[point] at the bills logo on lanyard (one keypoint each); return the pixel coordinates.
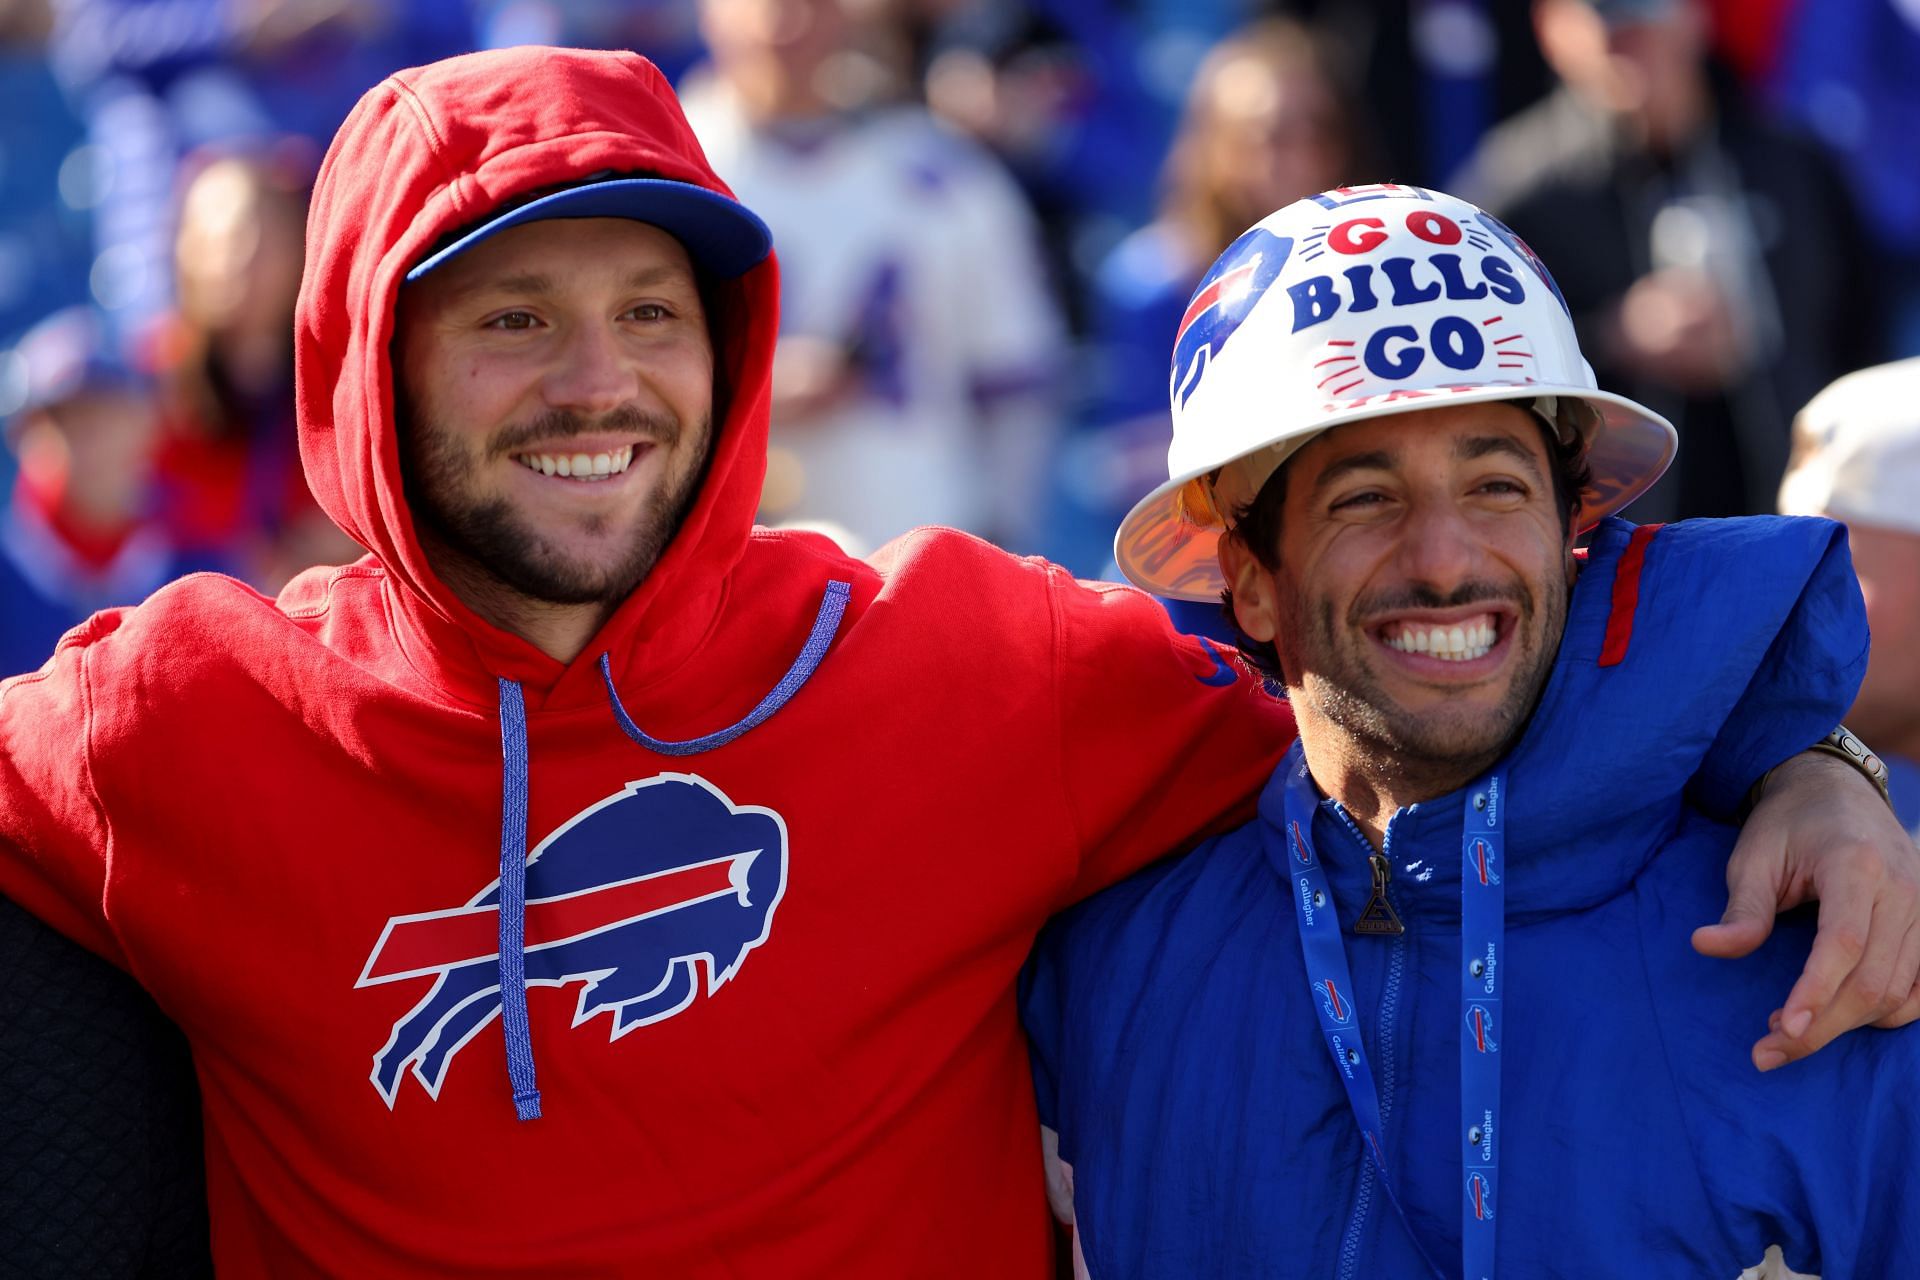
(1480, 861)
(1337, 1009)
(1480, 1029)
(1479, 1198)
(1482, 938)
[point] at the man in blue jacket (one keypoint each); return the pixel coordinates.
(1435, 1011)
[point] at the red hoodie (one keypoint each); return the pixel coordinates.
(770, 972)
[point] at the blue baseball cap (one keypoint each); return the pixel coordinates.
(723, 237)
(66, 355)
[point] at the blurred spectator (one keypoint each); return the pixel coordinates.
(45, 187)
(1856, 457)
(1272, 116)
(1079, 98)
(1713, 263)
(73, 537)
(1438, 75)
(919, 338)
(666, 31)
(158, 79)
(230, 489)
(100, 1156)
(1850, 71)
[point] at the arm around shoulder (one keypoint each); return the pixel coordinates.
(1164, 737)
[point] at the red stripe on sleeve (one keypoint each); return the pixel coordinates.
(1626, 596)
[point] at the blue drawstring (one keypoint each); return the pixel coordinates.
(825, 624)
(513, 823)
(513, 900)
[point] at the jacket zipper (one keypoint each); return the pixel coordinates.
(1384, 1033)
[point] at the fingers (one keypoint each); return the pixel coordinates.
(1756, 874)
(1860, 971)
(1906, 979)
(1737, 934)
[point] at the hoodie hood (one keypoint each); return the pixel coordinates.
(435, 149)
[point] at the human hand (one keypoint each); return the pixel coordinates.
(1821, 831)
(1674, 326)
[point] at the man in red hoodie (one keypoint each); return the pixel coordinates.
(777, 824)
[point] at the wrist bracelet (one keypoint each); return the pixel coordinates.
(1842, 744)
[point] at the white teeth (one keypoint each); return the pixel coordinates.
(1471, 639)
(579, 466)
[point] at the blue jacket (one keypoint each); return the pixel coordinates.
(1177, 1050)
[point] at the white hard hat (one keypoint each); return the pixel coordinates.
(1357, 303)
(1856, 450)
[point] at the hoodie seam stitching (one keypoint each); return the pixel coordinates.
(584, 135)
(100, 813)
(1075, 827)
(436, 144)
(334, 579)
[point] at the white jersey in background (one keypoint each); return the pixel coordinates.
(909, 251)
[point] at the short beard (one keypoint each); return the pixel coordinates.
(1436, 751)
(489, 537)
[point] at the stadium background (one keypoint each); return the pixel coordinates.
(990, 216)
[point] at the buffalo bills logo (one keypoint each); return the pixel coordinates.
(1220, 675)
(1335, 1005)
(1225, 298)
(634, 899)
(1479, 1198)
(1480, 1029)
(1481, 862)
(1526, 254)
(1301, 849)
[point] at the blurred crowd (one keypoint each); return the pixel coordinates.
(990, 216)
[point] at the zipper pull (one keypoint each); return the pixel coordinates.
(1379, 919)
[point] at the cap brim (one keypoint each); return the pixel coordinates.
(1159, 549)
(723, 237)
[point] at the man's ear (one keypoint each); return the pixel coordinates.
(1255, 603)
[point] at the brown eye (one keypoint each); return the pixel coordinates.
(512, 320)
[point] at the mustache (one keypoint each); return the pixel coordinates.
(565, 424)
(1418, 596)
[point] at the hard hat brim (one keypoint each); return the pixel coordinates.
(1160, 548)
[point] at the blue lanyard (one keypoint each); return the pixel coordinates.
(1482, 939)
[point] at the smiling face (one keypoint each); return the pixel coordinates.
(1418, 590)
(557, 391)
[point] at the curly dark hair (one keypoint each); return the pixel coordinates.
(1257, 525)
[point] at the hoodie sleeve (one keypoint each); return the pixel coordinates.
(53, 831)
(1814, 663)
(1164, 738)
